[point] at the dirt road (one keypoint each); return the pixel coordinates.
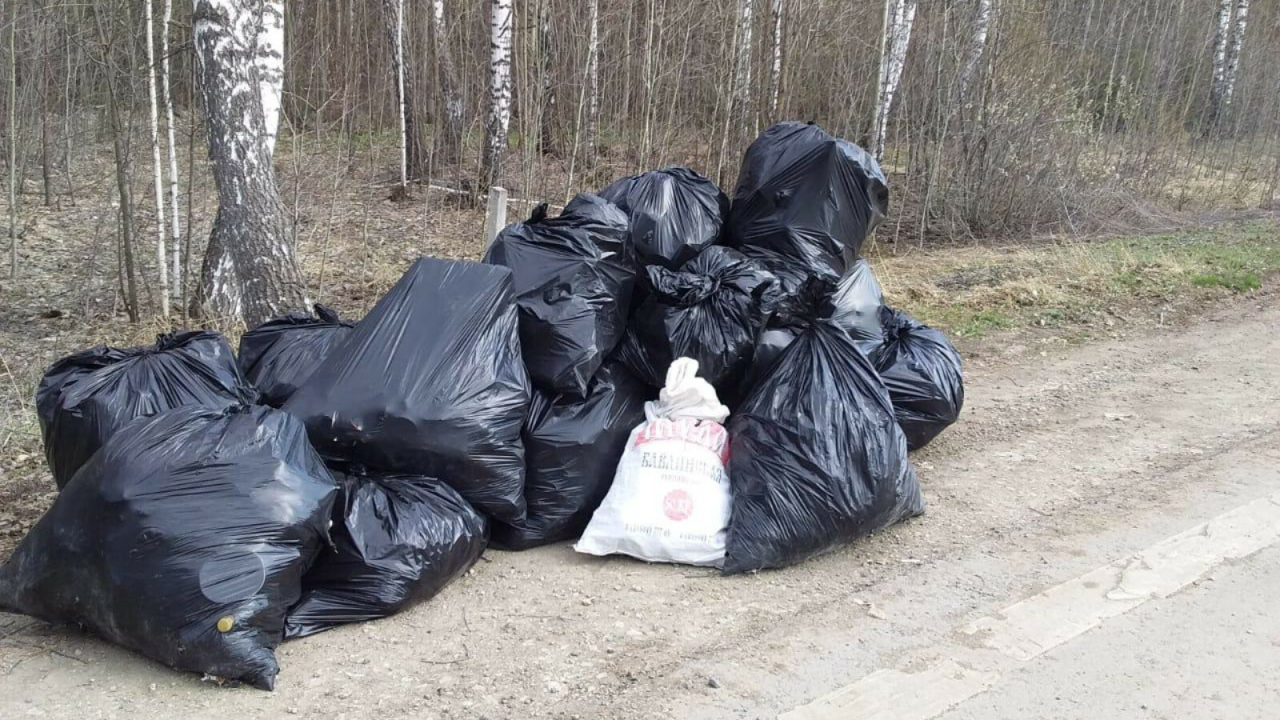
(1063, 463)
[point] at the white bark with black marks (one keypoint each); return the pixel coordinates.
(977, 44)
(593, 75)
(775, 68)
(899, 17)
(742, 69)
(249, 268)
(166, 94)
(495, 146)
(1234, 48)
(450, 147)
(157, 170)
(393, 11)
(270, 61)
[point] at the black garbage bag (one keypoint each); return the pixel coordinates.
(430, 383)
(84, 398)
(854, 307)
(808, 197)
(573, 277)
(924, 375)
(675, 213)
(816, 458)
(279, 355)
(710, 310)
(185, 538)
(398, 540)
(572, 450)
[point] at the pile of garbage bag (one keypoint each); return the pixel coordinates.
(279, 355)
(83, 399)
(654, 372)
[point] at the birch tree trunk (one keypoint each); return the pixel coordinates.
(742, 69)
(13, 140)
(775, 71)
(270, 62)
(547, 110)
(1233, 54)
(166, 95)
(977, 44)
(449, 148)
(899, 17)
(593, 76)
(249, 269)
(162, 259)
(1221, 34)
(393, 15)
(495, 146)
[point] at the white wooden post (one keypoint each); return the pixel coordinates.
(495, 217)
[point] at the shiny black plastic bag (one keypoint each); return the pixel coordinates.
(572, 448)
(279, 355)
(675, 213)
(398, 539)
(710, 310)
(808, 197)
(84, 398)
(924, 375)
(573, 277)
(430, 383)
(817, 459)
(185, 538)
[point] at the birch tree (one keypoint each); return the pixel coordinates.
(249, 269)
(1221, 34)
(593, 75)
(742, 68)
(157, 169)
(450, 146)
(166, 94)
(270, 64)
(899, 15)
(977, 44)
(775, 67)
(495, 146)
(1234, 48)
(393, 14)
(547, 108)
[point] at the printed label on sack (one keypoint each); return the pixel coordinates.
(710, 435)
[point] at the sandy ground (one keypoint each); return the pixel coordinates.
(1065, 460)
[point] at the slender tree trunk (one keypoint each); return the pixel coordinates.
(1221, 36)
(162, 266)
(899, 17)
(46, 105)
(249, 269)
(118, 135)
(977, 43)
(1234, 48)
(646, 130)
(393, 14)
(450, 147)
(166, 94)
(270, 62)
(775, 69)
(13, 139)
(546, 135)
(495, 147)
(742, 68)
(593, 77)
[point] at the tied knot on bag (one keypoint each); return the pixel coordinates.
(685, 395)
(681, 288)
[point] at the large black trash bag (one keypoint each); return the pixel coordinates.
(710, 310)
(808, 197)
(184, 538)
(279, 355)
(817, 459)
(398, 539)
(430, 383)
(573, 278)
(572, 450)
(84, 398)
(675, 213)
(855, 307)
(924, 375)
